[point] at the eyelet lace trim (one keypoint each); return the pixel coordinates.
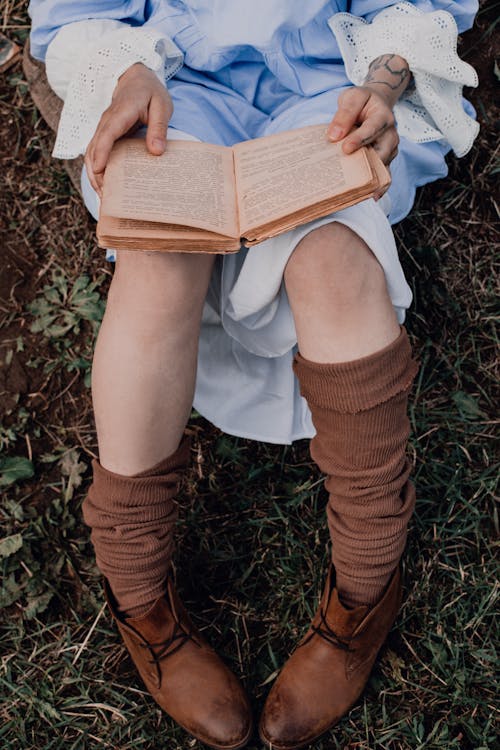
(91, 88)
(428, 41)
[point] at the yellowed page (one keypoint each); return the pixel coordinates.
(129, 234)
(280, 174)
(191, 184)
(137, 231)
(379, 169)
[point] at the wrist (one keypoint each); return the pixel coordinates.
(137, 69)
(389, 76)
(389, 97)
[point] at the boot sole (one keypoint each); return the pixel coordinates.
(241, 743)
(303, 743)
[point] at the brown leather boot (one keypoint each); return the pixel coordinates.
(330, 667)
(183, 674)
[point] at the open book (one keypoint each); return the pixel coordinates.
(200, 197)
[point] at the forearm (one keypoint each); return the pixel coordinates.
(89, 85)
(427, 41)
(389, 75)
(364, 112)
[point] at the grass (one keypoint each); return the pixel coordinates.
(252, 538)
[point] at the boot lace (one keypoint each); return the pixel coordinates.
(179, 637)
(328, 634)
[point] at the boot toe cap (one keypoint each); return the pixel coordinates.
(284, 726)
(225, 730)
(223, 724)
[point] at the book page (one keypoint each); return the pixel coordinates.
(280, 174)
(191, 184)
(381, 172)
(139, 230)
(129, 234)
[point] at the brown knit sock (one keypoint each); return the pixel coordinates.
(359, 412)
(132, 521)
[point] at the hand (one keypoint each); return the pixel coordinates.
(377, 126)
(370, 107)
(139, 98)
(372, 112)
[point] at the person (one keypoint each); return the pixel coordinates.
(300, 336)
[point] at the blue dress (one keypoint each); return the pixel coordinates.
(254, 68)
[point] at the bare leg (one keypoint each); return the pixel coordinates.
(354, 369)
(143, 383)
(145, 358)
(338, 296)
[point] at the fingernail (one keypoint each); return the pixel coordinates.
(335, 133)
(159, 143)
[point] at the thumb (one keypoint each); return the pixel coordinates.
(350, 105)
(158, 117)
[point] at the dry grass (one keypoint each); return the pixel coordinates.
(252, 539)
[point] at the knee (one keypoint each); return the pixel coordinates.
(171, 285)
(334, 262)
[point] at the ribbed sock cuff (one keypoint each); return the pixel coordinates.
(351, 387)
(132, 520)
(121, 493)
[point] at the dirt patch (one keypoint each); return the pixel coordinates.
(45, 233)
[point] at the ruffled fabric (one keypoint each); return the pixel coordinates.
(428, 42)
(229, 90)
(245, 383)
(87, 85)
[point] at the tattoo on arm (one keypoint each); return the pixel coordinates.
(398, 77)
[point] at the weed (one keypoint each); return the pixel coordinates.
(59, 313)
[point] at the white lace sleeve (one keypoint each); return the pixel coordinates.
(428, 42)
(84, 62)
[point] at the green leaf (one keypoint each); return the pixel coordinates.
(42, 324)
(80, 283)
(37, 604)
(10, 592)
(52, 295)
(10, 544)
(57, 331)
(15, 469)
(73, 468)
(467, 406)
(60, 281)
